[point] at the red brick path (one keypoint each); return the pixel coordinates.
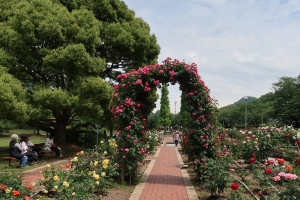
(165, 181)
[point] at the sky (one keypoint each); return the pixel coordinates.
(241, 47)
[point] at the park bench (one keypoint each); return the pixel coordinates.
(9, 159)
(42, 152)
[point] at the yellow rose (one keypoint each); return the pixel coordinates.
(93, 172)
(96, 176)
(95, 163)
(55, 178)
(66, 184)
(105, 152)
(55, 187)
(81, 152)
(73, 194)
(105, 162)
(45, 191)
(256, 139)
(48, 165)
(101, 142)
(103, 174)
(97, 182)
(75, 159)
(104, 166)
(8, 190)
(43, 179)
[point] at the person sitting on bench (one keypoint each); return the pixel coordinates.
(32, 156)
(49, 144)
(15, 151)
(32, 147)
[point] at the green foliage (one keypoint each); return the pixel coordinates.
(133, 102)
(90, 173)
(215, 174)
(292, 191)
(11, 186)
(164, 115)
(128, 43)
(286, 100)
(153, 121)
(54, 51)
(184, 111)
(13, 98)
(5, 126)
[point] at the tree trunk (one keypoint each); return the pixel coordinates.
(111, 131)
(60, 131)
(122, 174)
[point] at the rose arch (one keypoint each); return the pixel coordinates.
(134, 100)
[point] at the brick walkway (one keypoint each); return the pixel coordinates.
(164, 179)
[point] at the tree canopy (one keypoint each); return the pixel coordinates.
(164, 115)
(61, 51)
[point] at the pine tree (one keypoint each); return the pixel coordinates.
(165, 115)
(184, 111)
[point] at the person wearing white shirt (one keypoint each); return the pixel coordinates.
(49, 144)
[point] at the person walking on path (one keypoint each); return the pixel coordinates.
(176, 138)
(15, 150)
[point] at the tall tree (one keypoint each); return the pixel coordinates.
(286, 104)
(164, 115)
(126, 42)
(49, 49)
(59, 50)
(184, 113)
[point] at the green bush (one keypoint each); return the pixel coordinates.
(86, 138)
(12, 188)
(90, 174)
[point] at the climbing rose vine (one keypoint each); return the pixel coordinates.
(134, 99)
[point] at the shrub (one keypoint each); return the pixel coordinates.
(11, 186)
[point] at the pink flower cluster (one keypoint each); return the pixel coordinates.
(285, 176)
(128, 102)
(138, 82)
(117, 109)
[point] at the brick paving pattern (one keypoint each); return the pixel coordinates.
(165, 181)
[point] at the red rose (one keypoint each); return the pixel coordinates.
(254, 155)
(29, 186)
(234, 186)
(298, 142)
(252, 160)
(271, 162)
(298, 161)
(16, 193)
(269, 171)
(26, 197)
(68, 165)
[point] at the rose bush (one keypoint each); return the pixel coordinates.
(134, 99)
(12, 187)
(87, 174)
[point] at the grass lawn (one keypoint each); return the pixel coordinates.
(68, 150)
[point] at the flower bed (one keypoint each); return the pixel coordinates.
(246, 168)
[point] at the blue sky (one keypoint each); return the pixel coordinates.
(241, 47)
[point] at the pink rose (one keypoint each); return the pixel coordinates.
(276, 178)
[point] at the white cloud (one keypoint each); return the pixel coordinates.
(241, 47)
